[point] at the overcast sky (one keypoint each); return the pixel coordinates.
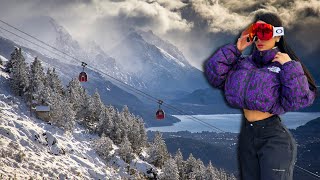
(196, 27)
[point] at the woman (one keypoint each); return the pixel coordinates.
(269, 82)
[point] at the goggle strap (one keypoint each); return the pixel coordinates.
(278, 31)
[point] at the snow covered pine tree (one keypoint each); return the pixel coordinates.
(19, 72)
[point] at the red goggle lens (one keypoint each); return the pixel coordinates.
(261, 30)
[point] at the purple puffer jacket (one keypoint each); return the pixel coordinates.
(257, 83)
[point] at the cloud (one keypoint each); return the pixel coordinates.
(171, 4)
(197, 27)
(232, 15)
(160, 16)
(154, 15)
(219, 17)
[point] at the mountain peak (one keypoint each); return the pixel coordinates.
(171, 49)
(160, 61)
(64, 40)
(134, 35)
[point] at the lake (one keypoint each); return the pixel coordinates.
(230, 122)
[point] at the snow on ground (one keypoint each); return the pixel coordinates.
(169, 56)
(32, 148)
(3, 58)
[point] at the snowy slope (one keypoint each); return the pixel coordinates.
(166, 46)
(3, 58)
(33, 148)
(170, 57)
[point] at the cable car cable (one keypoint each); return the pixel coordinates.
(29, 41)
(134, 89)
(72, 57)
(76, 60)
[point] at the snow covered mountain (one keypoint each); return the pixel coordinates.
(142, 59)
(156, 62)
(31, 148)
(92, 54)
(58, 37)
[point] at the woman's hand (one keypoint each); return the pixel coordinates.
(242, 43)
(281, 58)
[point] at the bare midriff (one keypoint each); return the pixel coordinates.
(254, 115)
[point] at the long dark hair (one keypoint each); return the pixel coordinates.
(274, 20)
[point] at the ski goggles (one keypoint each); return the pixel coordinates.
(263, 31)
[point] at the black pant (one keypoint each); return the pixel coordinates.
(267, 150)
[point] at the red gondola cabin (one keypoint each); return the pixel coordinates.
(83, 77)
(160, 114)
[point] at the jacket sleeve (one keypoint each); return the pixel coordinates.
(295, 90)
(220, 63)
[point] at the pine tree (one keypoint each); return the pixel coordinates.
(46, 95)
(67, 116)
(117, 134)
(37, 83)
(134, 135)
(97, 109)
(170, 170)
(222, 175)
(75, 94)
(91, 110)
(126, 113)
(125, 122)
(158, 151)
(86, 110)
(232, 177)
(12, 60)
(199, 170)
(54, 82)
(211, 172)
(61, 112)
(105, 124)
(103, 146)
(125, 150)
(80, 100)
(19, 73)
(107, 121)
(142, 132)
(190, 167)
(136, 131)
(99, 106)
(180, 164)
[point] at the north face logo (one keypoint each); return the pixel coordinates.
(274, 69)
